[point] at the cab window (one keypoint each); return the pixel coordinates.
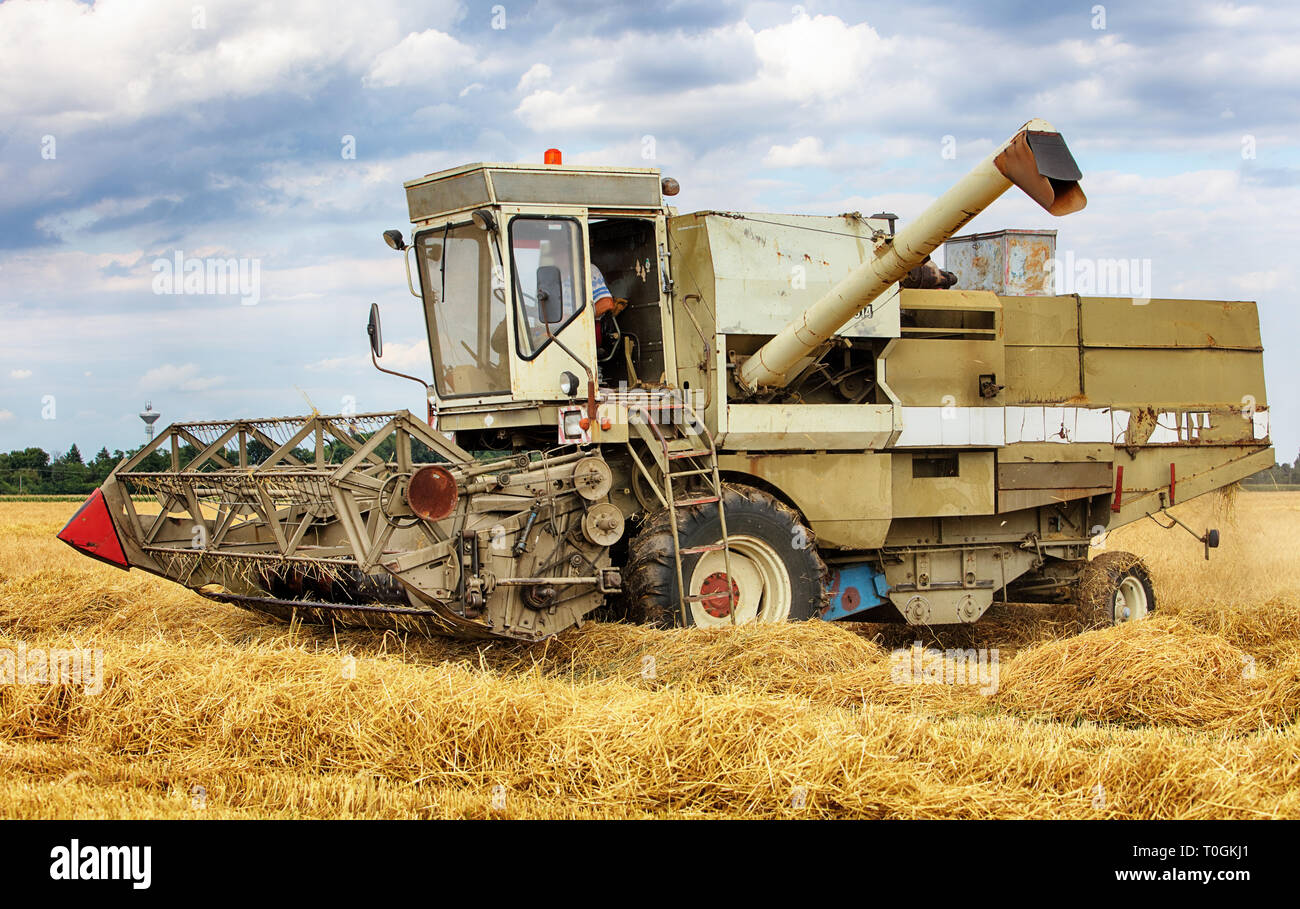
(465, 313)
(534, 244)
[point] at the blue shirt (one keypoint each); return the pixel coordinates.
(598, 289)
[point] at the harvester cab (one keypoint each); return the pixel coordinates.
(781, 417)
(505, 260)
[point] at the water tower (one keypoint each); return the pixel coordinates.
(150, 417)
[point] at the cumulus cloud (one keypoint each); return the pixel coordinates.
(73, 65)
(539, 74)
(410, 357)
(20, 374)
(806, 151)
(419, 59)
(170, 377)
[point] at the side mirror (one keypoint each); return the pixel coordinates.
(373, 329)
(550, 294)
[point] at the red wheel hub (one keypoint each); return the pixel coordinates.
(714, 595)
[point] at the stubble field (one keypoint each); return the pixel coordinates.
(207, 711)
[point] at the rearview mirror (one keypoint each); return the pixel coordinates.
(550, 295)
(373, 329)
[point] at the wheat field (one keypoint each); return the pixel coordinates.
(209, 712)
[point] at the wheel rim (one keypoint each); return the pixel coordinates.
(1131, 603)
(759, 582)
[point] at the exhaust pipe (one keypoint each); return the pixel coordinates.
(1035, 159)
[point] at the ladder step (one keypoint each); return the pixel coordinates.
(693, 453)
(694, 550)
(705, 500)
(692, 473)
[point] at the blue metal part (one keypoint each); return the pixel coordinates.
(853, 589)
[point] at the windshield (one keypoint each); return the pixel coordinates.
(535, 243)
(465, 313)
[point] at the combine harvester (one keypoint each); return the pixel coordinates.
(783, 417)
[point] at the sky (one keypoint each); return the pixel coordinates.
(279, 135)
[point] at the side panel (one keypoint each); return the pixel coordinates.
(1124, 322)
(968, 492)
(1171, 378)
(1042, 349)
(803, 426)
(1045, 473)
(936, 373)
(769, 268)
(847, 498)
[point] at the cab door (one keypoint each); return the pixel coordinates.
(534, 241)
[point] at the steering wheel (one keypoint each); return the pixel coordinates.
(611, 335)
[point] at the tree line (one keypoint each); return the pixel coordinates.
(34, 471)
(1278, 475)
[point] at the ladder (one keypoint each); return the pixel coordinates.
(685, 453)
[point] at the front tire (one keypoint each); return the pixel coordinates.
(776, 572)
(1114, 588)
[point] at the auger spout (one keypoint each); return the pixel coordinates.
(1036, 159)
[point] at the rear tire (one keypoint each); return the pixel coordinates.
(1114, 588)
(776, 572)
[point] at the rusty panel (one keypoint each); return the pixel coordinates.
(555, 186)
(845, 497)
(1049, 475)
(1119, 322)
(824, 486)
(968, 493)
(1017, 499)
(1013, 262)
(1041, 321)
(767, 268)
(1040, 375)
(800, 427)
(1199, 469)
(1033, 452)
(428, 200)
(923, 372)
(1172, 378)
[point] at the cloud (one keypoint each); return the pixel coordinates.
(71, 66)
(803, 153)
(421, 58)
(1259, 281)
(408, 357)
(169, 377)
(6, 416)
(538, 74)
(20, 373)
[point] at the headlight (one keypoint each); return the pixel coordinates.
(568, 384)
